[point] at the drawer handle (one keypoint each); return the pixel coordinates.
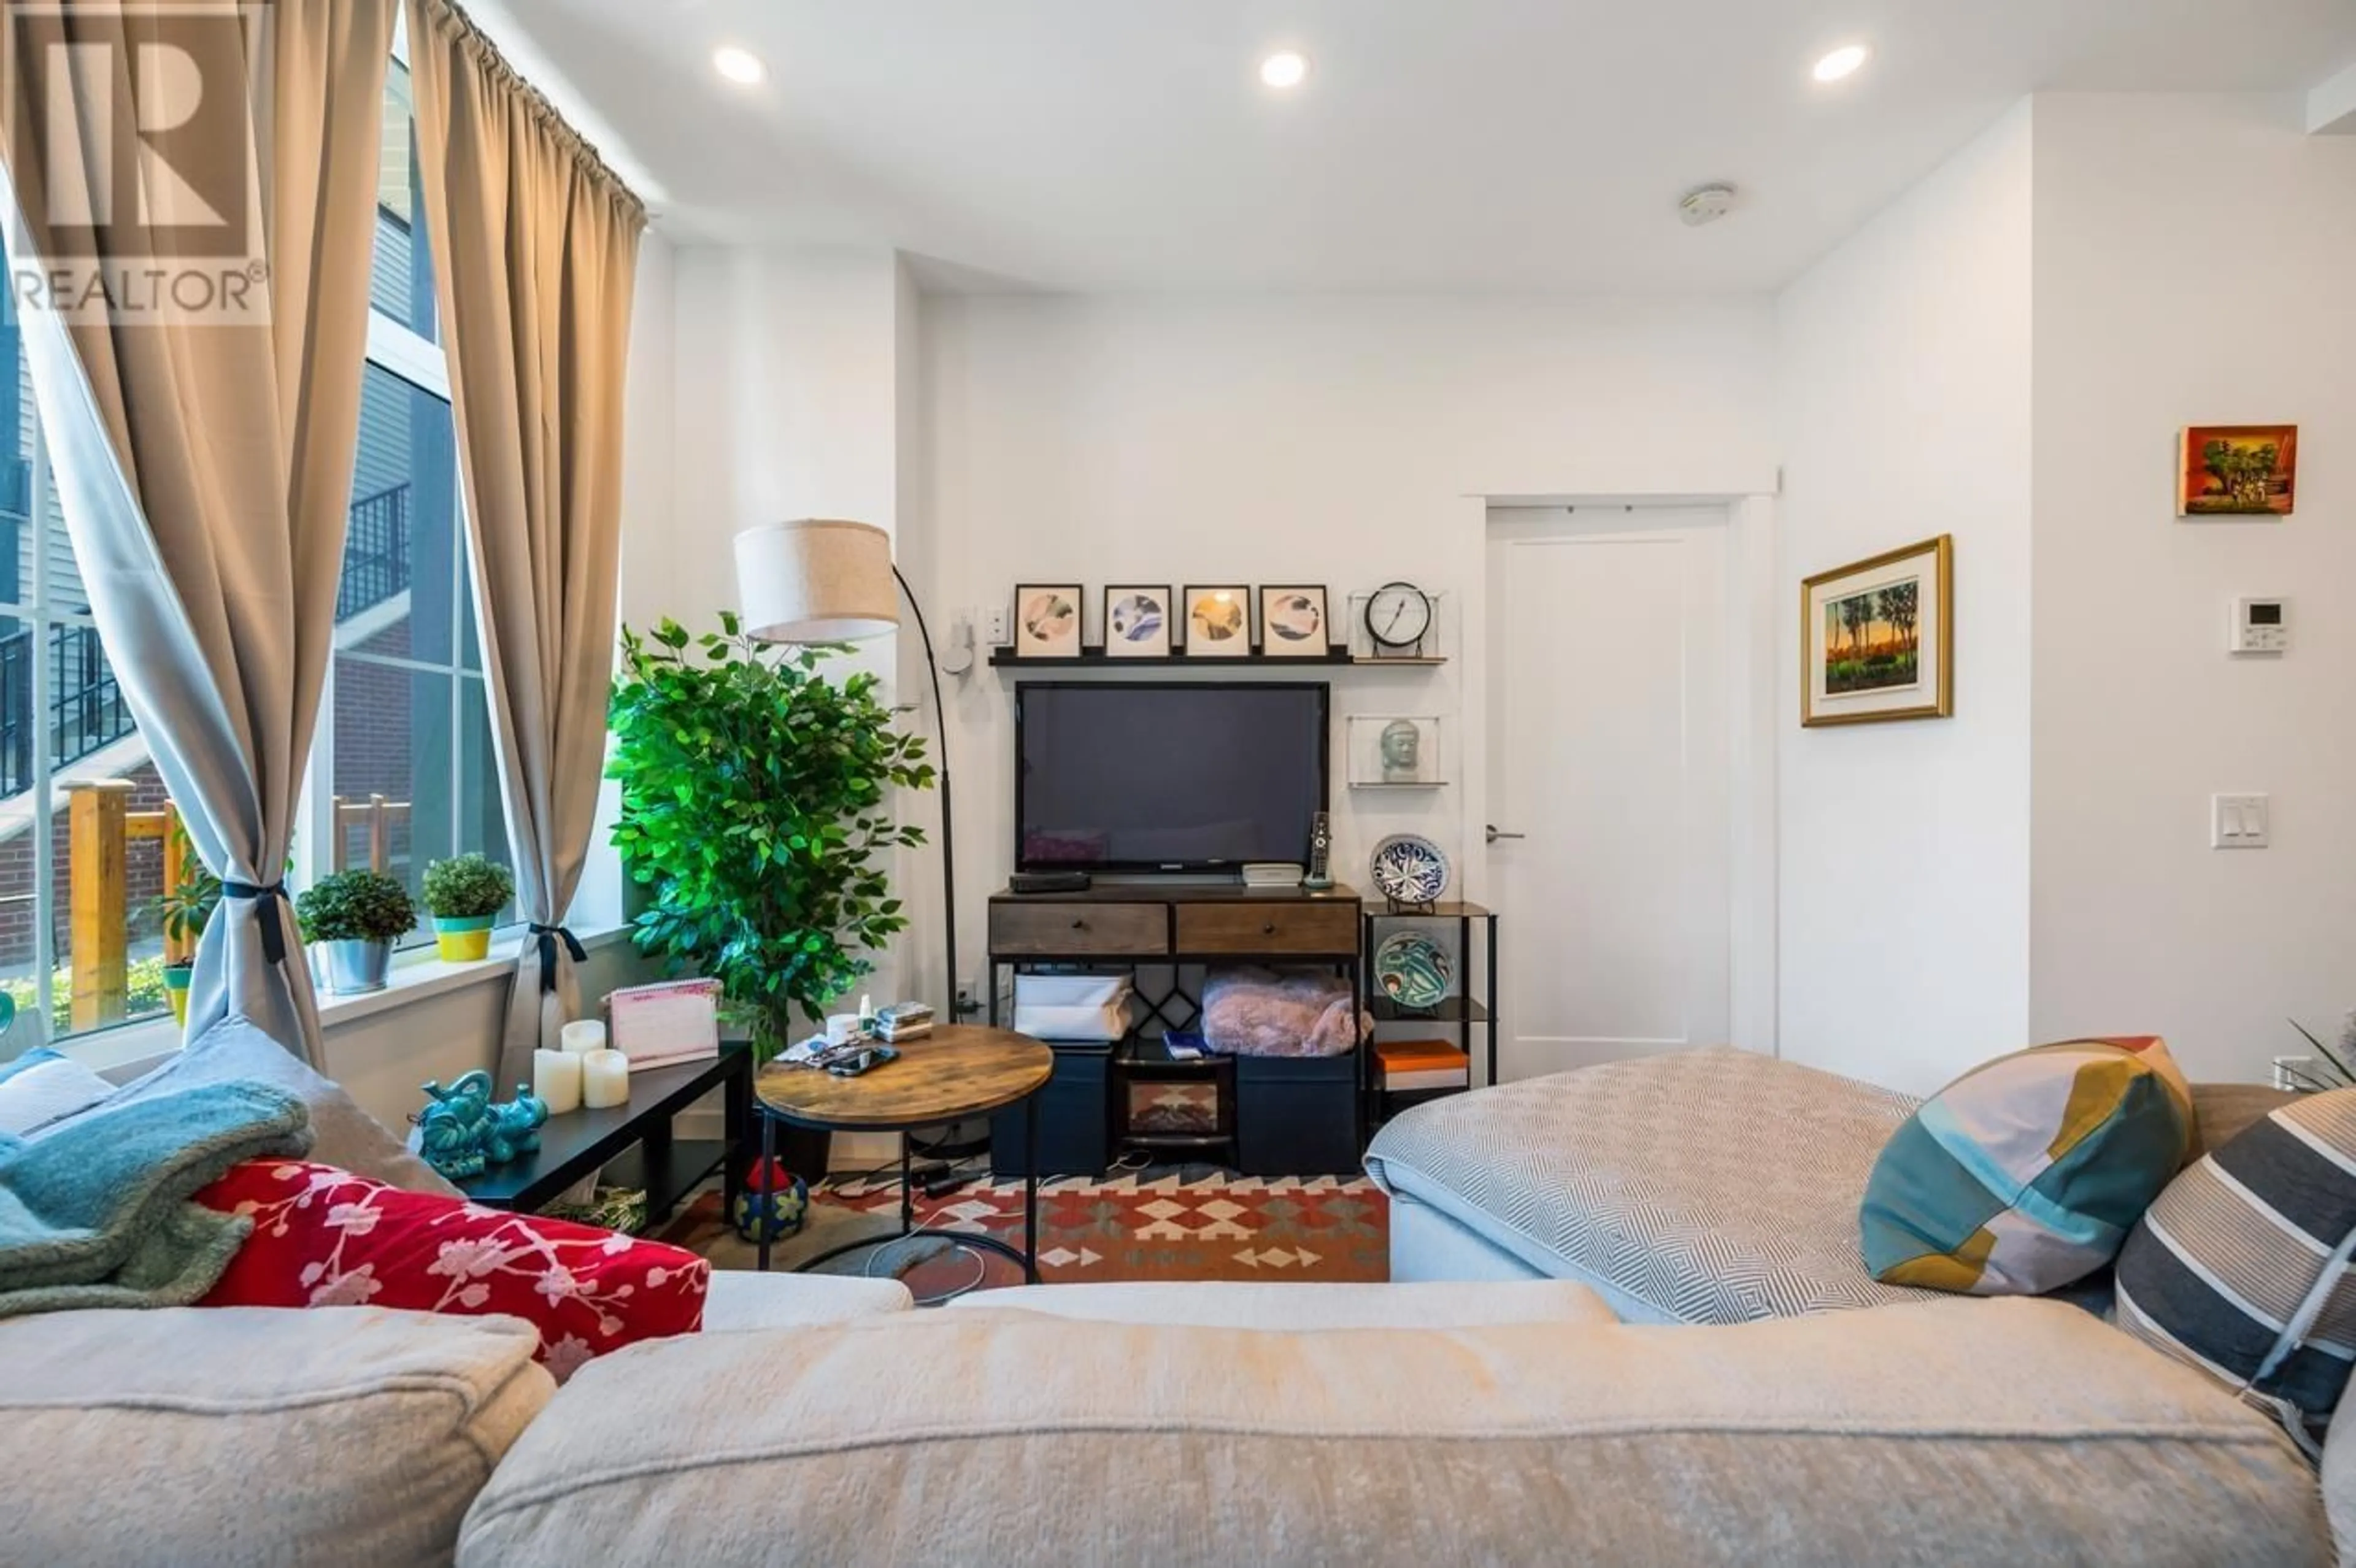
(1269, 929)
(1081, 924)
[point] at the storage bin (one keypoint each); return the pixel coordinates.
(1071, 1008)
(1074, 1113)
(1298, 1115)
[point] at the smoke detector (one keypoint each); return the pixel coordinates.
(1705, 204)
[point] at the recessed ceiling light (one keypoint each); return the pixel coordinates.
(1284, 69)
(1844, 61)
(740, 66)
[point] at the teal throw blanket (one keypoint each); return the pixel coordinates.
(100, 1212)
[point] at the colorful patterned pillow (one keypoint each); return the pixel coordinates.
(2241, 1267)
(2025, 1174)
(324, 1237)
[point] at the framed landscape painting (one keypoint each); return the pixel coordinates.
(2237, 471)
(1878, 638)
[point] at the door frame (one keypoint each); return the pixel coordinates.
(1754, 645)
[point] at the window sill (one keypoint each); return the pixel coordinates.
(417, 977)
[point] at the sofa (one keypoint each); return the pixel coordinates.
(818, 1419)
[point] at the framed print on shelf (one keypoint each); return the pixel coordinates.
(1137, 623)
(1878, 638)
(1293, 623)
(1218, 622)
(1047, 622)
(2237, 471)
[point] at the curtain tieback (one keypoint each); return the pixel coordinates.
(549, 935)
(273, 930)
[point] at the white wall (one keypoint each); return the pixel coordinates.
(1299, 440)
(787, 402)
(2196, 263)
(1904, 380)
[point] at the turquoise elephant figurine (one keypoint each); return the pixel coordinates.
(514, 1126)
(453, 1131)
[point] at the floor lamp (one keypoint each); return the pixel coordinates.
(822, 581)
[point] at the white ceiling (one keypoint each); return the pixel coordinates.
(1460, 145)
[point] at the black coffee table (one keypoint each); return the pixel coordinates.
(581, 1143)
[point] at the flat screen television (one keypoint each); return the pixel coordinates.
(1166, 776)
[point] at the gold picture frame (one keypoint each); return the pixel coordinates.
(1878, 638)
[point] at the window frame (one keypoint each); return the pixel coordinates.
(419, 363)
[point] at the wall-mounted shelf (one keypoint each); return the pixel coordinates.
(1420, 661)
(1399, 784)
(1093, 658)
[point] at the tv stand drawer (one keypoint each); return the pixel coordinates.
(1325, 929)
(1077, 930)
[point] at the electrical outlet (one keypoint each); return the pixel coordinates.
(1000, 622)
(2293, 1071)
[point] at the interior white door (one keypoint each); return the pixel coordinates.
(1608, 768)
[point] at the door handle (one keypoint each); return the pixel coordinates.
(1494, 835)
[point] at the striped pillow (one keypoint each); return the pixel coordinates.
(2241, 1267)
(2025, 1174)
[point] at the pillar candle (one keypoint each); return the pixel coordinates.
(556, 1078)
(583, 1036)
(605, 1079)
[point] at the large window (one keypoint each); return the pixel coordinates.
(403, 773)
(81, 850)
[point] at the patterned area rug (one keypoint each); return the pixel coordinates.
(1192, 1224)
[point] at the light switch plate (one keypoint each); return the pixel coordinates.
(2240, 821)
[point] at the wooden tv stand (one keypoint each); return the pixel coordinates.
(1174, 923)
(1146, 925)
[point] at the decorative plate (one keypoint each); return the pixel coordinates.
(1408, 868)
(1413, 970)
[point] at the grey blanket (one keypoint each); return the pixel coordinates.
(101, 1212)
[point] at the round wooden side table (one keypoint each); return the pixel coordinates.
(957, 1071)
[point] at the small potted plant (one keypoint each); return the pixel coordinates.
(351, 919)
(464, 896)
(185, 907)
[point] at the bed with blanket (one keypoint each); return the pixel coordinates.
(1711, 1186)
(1704, 1187)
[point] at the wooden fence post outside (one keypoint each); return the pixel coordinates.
(177, 949)
(97, 923)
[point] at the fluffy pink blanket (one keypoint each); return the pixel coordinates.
(1259, 1012)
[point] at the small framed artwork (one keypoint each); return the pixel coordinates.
(1293, 623)
(1137, 623)
(1878, 638)
(1047, 622)
(1218, 622)
(2237, 471)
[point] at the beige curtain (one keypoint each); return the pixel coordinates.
(535, 250)
(205, 468)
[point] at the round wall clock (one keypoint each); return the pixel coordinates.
(1399, 614)
(1413, 970)
(1408, 868)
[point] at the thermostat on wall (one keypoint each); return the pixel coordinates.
(2260, 626)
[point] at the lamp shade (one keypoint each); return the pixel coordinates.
(816, 581)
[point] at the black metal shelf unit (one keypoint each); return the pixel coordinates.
(1459, 1015)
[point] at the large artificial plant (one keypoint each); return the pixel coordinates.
(756, 810)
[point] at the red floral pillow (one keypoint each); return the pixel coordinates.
(324, 1237)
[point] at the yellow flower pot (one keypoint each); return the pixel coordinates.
(463, 940)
